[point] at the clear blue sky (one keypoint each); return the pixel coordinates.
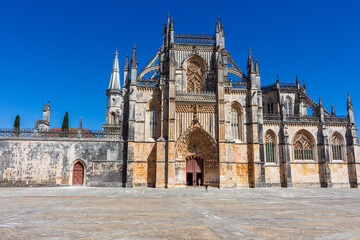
(62, 51)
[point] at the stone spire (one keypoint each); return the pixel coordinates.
(350, 110)
(133, 63)
(37, 123)
(304, 84)
(126, 66)
(332, 110)
(250, 64)
(168, 21)
(80, 123)
(257, 68)
(218, 25)
(320, 102)
(277, 78)
(134, 59)
(297, 79)
(126, 70)
(172, 25)
(115, 75)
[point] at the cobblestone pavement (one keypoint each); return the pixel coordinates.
(185, 213)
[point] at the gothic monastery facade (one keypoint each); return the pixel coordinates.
(191, 116)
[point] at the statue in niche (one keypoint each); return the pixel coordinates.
(194, 75)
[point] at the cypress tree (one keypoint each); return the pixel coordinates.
(17, 125)
(65, 125)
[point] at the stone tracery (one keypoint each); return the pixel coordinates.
(303, 149)
(194, 75)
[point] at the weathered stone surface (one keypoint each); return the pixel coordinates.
(49, 162)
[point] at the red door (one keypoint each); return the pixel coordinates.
(194, 171)
(78, 174)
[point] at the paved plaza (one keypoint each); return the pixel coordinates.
(185, 213)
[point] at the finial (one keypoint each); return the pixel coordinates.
(116, 52)
(133, 58)
(320, 102)
(303, 83)
(277, 78)
(332, 110)
(297, 79)
(250, 51)
(80, 123)
(349, 103)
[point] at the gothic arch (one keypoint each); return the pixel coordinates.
(304, 146)
(152, 119)
(194, 73)
(337, 144)
(72, 170)
(196, 141)
(288, 105)
(271, 146)
(236, 107)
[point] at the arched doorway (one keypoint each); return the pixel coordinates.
(194, 171)
(196, 157)
(78, 174)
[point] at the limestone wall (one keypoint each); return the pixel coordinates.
(339, 175)
(144, 164)
(272, 175)
(305, 175)
(40, 162)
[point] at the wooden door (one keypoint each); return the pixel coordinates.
(78, 174)
(194, 165)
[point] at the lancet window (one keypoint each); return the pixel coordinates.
(153, 117)
(113, 118)
(303, 147)
(269, 147)
(235, 123)
(336, 144)
(288, 106)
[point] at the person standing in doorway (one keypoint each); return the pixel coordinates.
(206, 187)
(199, 181)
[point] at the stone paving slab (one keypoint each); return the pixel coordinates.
(184, 213)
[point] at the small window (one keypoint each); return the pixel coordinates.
(270, 108)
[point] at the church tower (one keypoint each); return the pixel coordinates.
(113, 120)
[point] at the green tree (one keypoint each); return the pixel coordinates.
(17, 125)
(65, 126)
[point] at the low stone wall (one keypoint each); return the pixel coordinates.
(48, 162)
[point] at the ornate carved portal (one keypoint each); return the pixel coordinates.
(195, 81)
(196, 142)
